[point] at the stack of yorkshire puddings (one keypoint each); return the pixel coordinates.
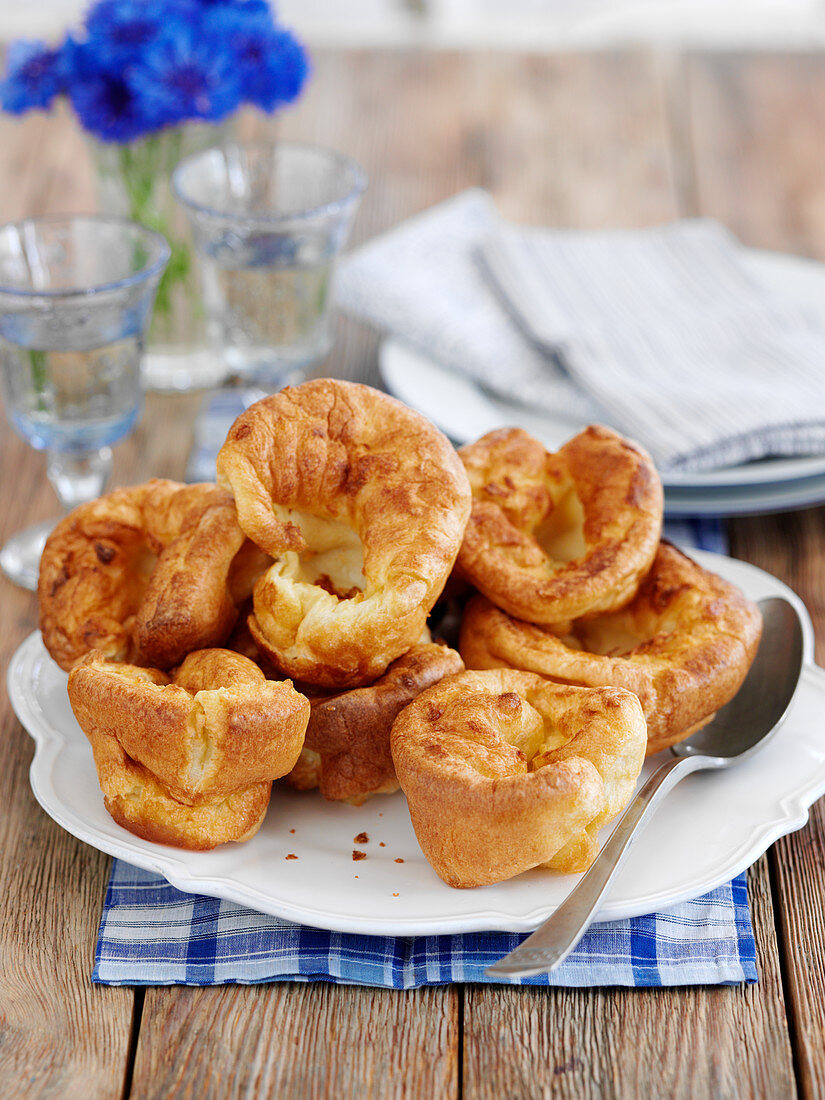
(219, 637)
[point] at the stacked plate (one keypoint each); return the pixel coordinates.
(464, 412)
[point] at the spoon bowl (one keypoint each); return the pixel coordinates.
(738, 730)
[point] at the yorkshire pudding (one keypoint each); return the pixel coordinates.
(362, 503)
(347, 747)
(683, 645)
(142, 574)
(188, 761)
(504, 771)
(553, 537)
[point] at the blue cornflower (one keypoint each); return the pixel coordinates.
(271, 64)
(34, 76)
(103, 96)
(140, 65)
(118, 31)
(187, 74)
(108, 107)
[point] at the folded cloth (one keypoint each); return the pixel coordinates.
(665, 334)
(153, 934)
(421, 282)
(672, 331)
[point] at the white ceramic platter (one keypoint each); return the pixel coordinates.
(464, 412)
(708, 830)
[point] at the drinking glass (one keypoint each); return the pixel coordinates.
(76, 297)
(268, 222)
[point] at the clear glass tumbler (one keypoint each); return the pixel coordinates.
(76, 297)
(269, 222)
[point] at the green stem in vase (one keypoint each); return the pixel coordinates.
(142, 165)
(39, 369)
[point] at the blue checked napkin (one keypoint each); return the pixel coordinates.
(153, 934)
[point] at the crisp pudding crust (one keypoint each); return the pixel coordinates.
(142, 574)
(553, 537)
(188, 759)
(362, 504)
(504, 771)
(683, 645)
(347, 747)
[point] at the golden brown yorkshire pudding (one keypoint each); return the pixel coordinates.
(188, 761)
(143, 574)
(362, 503)
(347, 747)
(504, 771)
(683, 645)
(553, 537)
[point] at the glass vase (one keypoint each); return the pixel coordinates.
(133, 182)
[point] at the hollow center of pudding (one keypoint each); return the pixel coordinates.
(499, 734)
(561, 533)
(143, 563)
(609, 636)
(136, 570)
(334, 556)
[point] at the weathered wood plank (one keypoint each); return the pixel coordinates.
(296, 1041)
(756, 130)
(45, 166)
(757, 123)
(20, 151)
(59, 1035)
(575, 140)
(685, 1044)
(791, 548)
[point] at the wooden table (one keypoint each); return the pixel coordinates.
(606, 139)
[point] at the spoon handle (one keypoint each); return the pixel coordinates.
(553, 941)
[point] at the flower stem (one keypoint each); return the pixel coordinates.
(144, 166)
(37, 360)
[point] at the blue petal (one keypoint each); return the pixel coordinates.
(33, 77)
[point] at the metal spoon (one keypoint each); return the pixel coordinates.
(739, 729)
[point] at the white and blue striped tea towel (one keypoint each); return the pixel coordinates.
(673, 332)
(153, 934)
(665, 333)
(421, 282)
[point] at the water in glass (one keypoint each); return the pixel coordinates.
(71, 398)
(269, 222)
(76, 299)
(267, 312)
